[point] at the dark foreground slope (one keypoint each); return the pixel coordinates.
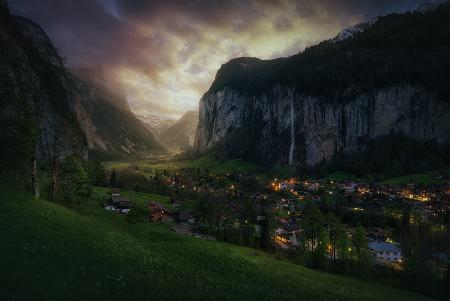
(49, 252)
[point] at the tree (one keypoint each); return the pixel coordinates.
(53, 141)
(97, 173)
(333, 223)
(361, 248)
(343, 244)
(113, 179)
(74, 181)
(315, 235)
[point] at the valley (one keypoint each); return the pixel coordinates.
(162, 159)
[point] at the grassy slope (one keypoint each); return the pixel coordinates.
(208, 161)
(425, 178)
(49, 252)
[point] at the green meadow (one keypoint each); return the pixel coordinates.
(209, 162)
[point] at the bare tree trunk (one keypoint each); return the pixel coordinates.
(53, 182)
(34, 178)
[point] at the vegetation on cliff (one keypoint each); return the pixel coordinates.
(399, 48)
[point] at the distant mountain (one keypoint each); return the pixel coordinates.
(180, 136)
(386, 78)
(175, 135)
(156, 124)
(76, 112)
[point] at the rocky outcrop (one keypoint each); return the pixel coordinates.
(322, 128)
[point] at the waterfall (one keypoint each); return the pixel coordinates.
(291, 150)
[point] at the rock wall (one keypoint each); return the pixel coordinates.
(322, 128)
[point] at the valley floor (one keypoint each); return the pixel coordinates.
(51, 252)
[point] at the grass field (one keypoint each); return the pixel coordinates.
(341, 176)
(206, 162)
(50, 252)
(425, 178)
(140, 197)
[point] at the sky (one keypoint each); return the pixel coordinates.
(164, 54)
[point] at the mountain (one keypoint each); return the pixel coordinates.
(355, 29)
(97, 77)
(57, 108)
(180, 136)
(383, 80)
(156, 124)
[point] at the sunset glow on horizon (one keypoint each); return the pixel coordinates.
(163, 55)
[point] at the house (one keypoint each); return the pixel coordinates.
(286, 234)
(285, 185)
(117, 203)
(157, 211)
(385, 251)
(286, 239)
(348, 187)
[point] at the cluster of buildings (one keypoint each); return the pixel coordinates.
(118, 203)
(426, 202)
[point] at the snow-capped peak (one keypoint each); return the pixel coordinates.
(351, 31)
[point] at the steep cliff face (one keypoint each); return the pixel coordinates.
(180, 136)
(75, 114)
(387, 78)
(321, 128)
(35, 84)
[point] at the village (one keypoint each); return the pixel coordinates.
(258, 211)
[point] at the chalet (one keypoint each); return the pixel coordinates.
(385, 251)
(287, 239)
(286, 234)
(348, 186)
(117, 203)
(157, 212)
(285, 185)
(311, 186)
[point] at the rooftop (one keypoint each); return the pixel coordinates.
(383, 247)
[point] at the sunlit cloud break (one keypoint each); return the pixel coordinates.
(164, 54)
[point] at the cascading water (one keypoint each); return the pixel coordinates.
(291, 150)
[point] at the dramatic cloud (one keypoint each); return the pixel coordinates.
(164, 54)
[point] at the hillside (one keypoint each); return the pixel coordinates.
(77, 113)
(49, 252)
(156, 124)
(335, 98)
(180, 136)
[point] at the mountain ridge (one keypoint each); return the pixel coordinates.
(76, 113)
(389, 78)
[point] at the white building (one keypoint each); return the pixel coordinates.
(385, 252)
